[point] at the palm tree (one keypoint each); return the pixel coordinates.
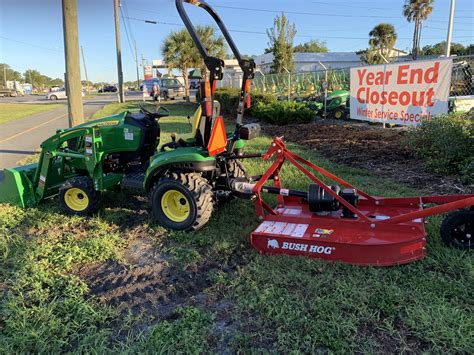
(417, 11)
(215, 46)
(381, 41)
(178, 52)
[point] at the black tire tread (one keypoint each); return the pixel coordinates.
(448, 224)
(235, 169)
(200, 189)
(85, 184)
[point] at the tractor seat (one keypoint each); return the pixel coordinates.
(138, 116)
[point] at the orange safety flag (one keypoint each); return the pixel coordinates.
(218, 140)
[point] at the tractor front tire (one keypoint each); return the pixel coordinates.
(457, 229)
(182, 201)
(78, 196)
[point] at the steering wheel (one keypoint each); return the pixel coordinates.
(158, 111)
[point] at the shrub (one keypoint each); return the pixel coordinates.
(447, 144)
(229, 99)
(283, 112)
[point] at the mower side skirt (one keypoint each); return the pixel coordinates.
(294, 230)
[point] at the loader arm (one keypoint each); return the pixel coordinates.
(50, 172)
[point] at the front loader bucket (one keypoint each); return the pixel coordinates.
(16, 186)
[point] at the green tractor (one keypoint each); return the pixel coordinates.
(337, 105)
(184, 178)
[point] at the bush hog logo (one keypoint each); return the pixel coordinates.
(317, 249)
(272, 243)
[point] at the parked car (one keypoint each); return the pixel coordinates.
(170, 88)
(59, 94)
(108, 88)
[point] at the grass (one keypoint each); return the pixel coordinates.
(12, 112)
(254, 303)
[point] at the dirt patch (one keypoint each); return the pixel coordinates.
(146, 282)
(385, 343)
(369, 147)
(150, 286)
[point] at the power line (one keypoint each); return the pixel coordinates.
(31, 44)
(126, 30)
(315, 13)
(265, 33)
(345, 5)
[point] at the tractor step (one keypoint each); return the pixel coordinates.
(133, 182)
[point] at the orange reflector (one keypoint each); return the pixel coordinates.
(208, 108)
(214, 86)
(207, 89)
(247, 101)
(218, 139)
(247, 85)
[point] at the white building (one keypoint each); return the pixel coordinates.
(309, 62)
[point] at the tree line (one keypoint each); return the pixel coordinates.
(39, 81)
(382, 39)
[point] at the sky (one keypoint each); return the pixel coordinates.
(31, 32)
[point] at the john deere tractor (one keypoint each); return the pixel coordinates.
(183, 179)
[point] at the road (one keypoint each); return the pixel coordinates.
(23, 137)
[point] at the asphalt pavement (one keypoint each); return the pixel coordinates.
(23, 137)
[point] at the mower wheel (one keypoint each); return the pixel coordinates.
(182, 201)
(457, 229)
(78, 196)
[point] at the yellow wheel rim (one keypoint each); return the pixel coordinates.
(76, 199)
(338, 114)
(175, 206)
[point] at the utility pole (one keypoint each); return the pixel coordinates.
(5, 74)
(73, 67)
(31, 80)
(136, 63)
(450, 30)
(119, 50)
(85, 68)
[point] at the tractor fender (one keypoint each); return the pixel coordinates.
(189, 159)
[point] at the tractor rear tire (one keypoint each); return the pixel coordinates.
(77, 196)
(234, 170)
(457, 230)
(182, 201)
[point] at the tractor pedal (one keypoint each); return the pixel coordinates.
(133, 182)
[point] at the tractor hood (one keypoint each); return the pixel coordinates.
(113, 120)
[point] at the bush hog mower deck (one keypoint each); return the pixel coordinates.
(343, 223)
(185, 178)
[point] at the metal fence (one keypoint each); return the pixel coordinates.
(462, 79)
(300, 85)
(293, 85)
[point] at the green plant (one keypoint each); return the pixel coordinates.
(284, 112)
(446, 143)
(229, 99)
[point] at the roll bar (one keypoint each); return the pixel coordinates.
(216, 65)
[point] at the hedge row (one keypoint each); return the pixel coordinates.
(283, 112)
(265, 107)
(446, 143)
(229, 99)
